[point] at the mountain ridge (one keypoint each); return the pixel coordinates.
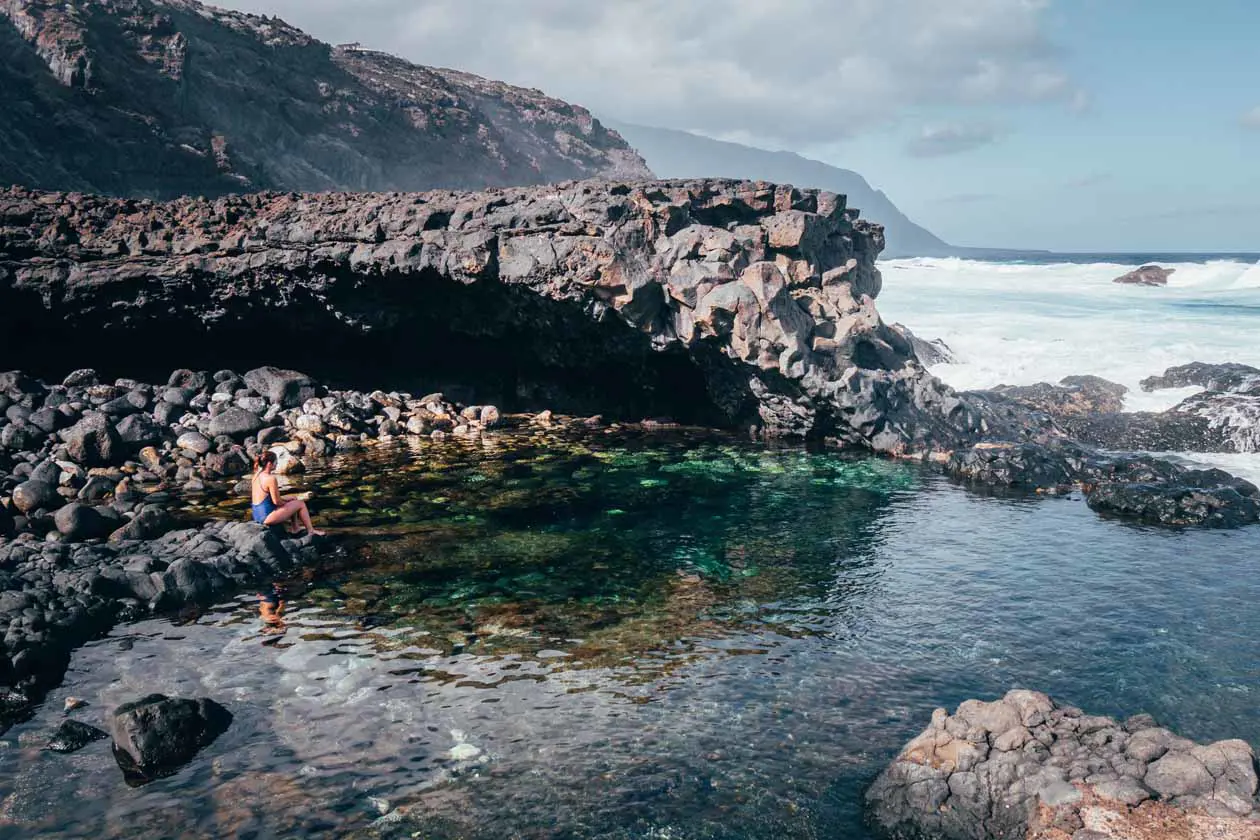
(160, 98)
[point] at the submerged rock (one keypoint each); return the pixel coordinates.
(73, 736)
(156, 735)
(1027, 767)
(1147, 275)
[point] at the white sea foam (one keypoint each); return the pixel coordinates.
(1020, 323)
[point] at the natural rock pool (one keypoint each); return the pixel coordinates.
(632, 636)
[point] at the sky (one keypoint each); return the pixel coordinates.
(1069, 125)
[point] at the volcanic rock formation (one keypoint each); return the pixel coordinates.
(1027, 767)
(171, 97)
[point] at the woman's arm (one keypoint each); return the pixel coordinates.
(273, 490)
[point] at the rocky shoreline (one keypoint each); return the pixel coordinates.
(1025, 767)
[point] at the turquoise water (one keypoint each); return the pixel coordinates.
(640, 638)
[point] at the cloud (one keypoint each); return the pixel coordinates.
(1251, 119)
(950, 139)
(792, 71)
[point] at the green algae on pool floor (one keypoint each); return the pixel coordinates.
(510, 544)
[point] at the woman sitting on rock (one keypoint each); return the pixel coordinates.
(268, 506)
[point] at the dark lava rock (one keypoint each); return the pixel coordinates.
(92, 442)
(149, 524)
(73, 736)
(1074, 396)
(1147, 275)
(1226, 505)
(286, 388)
(235, 423)
(155, 736)
(928, 351)
(77, 521)
(1213, 377)
(35, 494)
(139, 430)
(1029, 465)
(81, 378)
(1009, 769)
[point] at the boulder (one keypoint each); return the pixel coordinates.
(157, 735)
(33, 495)
(73, 736)
(81, 378)
(93, 441)
(235, 423)
(77, 521)
(139, 430)
(149, 523)
(285, 388)
(194, 442)
(1212, 377)
(1024, 767)
(1147, 275)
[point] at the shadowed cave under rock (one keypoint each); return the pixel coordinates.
(477, 343)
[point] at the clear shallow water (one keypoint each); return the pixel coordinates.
(1017, 323)
(644, 639)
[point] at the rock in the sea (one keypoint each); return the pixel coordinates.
(1210, 498)
(73, 736)
(1212, 377)
(1025, 767)
(1147, 275)
(1074, 396)
(157, 735)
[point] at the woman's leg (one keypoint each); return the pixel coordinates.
(289, 510)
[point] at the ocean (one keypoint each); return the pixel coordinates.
(1040, 317)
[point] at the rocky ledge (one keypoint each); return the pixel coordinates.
(56, 596)
(1027, 767)
(1223, 417)
(740, 305)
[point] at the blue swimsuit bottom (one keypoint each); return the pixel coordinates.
(262, 510)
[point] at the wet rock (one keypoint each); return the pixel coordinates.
(73, 736)
(1147, 275)
(1226, 505)
(929, 352)
(968, 777)
(157, 735)
(149, 523)
(1074, 396)
(1213, 377)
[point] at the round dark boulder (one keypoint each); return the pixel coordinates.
(81, 378)
(155, 736)
(235, 423)
(92, 441)
(77, 521)
(35, 494)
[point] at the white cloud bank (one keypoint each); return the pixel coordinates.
(793, 71)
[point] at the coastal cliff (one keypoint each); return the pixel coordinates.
(724, 303)
(163, 98)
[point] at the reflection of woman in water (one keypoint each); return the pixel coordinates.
(271, 610)
(267, 505)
